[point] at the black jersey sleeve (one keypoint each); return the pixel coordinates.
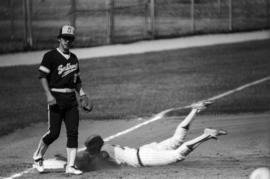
(45, 66)
(78, 80)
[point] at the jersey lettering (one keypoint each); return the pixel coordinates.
(65, 70)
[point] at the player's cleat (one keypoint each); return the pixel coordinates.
(213, 133)
(73, 170)
(38, 165)
(202, 105)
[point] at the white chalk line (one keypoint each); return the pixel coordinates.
(160, 116)
(19, 174)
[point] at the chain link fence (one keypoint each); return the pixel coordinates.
(34, 24)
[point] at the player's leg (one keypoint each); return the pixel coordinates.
(72, 124)
(38, 156)
(208, 134)
(40, 151)
(54, 126)
(154, 157)
(180, 133)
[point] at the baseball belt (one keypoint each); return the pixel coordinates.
(63, 90)
(139, 158)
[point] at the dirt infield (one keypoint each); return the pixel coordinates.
(233, 156)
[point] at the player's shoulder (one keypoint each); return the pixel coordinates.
(73, 55)
(51, 52)
(49, 56)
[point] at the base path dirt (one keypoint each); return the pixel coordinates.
(236, 155)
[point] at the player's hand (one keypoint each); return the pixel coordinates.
(51, 100)
(86, 104)
(104, 155)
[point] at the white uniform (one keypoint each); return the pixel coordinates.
(163, 153)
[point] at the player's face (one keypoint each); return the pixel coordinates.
(65, 43)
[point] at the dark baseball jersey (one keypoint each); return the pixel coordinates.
(60, 71)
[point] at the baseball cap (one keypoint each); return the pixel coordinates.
(94, 143)
(67, 31)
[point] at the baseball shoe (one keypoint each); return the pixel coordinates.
(73, 170)
(38, 165)
(213, 133)
(202, 105)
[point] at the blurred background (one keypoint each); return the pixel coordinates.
(33, 24)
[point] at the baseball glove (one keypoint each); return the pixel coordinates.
(85, 104)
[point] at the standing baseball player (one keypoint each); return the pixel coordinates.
(60, 79)
(168, 151)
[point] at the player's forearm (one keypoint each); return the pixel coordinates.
(45, 86)
(80, 90)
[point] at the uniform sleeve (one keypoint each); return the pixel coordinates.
(79, 81)
(45, 67)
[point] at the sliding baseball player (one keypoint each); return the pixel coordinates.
(168, 151)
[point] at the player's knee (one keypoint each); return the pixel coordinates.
(184, 150)
(185, 126)
(72, 135)
(54, 135)
(72, 141)
(50, 138)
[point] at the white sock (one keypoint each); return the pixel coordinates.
(71, 156)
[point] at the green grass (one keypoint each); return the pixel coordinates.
(141, 85)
